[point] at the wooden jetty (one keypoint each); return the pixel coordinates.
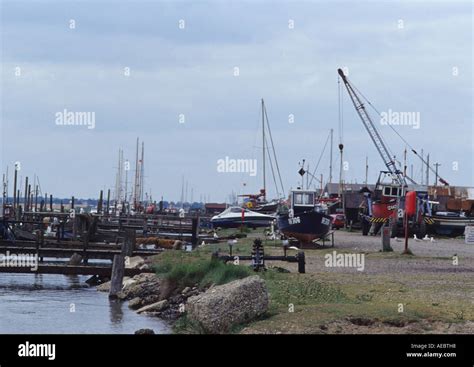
(100, 270)
(32, 226)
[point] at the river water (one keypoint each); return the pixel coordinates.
(48, 303)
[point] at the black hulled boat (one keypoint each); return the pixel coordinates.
(305, 219)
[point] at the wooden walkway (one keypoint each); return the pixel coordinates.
(100, 270)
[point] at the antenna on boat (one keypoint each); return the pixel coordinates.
(302, 172)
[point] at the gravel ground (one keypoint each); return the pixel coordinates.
(428, 257)
(439, 293)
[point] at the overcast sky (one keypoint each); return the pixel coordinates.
(405, 57)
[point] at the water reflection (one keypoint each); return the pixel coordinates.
(115, 311)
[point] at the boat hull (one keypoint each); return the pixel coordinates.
(236, 223)
(305, 226)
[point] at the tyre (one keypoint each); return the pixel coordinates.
(421, 229)
(365, 227)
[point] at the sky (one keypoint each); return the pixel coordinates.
(143, 66)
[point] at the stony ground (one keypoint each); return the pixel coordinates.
(427, 292)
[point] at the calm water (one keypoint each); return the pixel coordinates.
(37, 304)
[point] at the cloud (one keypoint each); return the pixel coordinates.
(191, 72)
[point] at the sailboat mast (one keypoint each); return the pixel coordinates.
(263, 150)
(142, 172)
(330, 158)
(135, 191)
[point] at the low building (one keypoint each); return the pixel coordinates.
(215, 208)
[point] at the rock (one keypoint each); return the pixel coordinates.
(144, 332)
(154, 307)
(223, 306)
(134, 262)
(142, 286)
(135, 303)
(148, 300)
(104, 287)
(127, 281)
(144, 267)
(75, 259)
(185, 291)
(178, 245)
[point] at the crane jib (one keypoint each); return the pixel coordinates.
(373, 132)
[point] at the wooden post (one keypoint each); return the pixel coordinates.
(195, 231)
(18, 214)
(28, 202)
(36, 198)
(99, 204)
(145, 226)
(25, 200)
(118, 269)
(72, 202)
(108, 202)
(74, 227)
(38, 240)
(129, 242)
(14, 189)
(51, 202)
(386, 232)
(85, 245)
(301, 262)
(41, 241)
(405, 219)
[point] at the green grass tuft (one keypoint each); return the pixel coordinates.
(202, 272)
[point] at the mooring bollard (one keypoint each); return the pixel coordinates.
(386, 232)
(118, 269)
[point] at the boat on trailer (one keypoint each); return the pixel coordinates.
(305, 219)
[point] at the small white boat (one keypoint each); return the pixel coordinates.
(235, 217)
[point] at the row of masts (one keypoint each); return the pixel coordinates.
(136, 196)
